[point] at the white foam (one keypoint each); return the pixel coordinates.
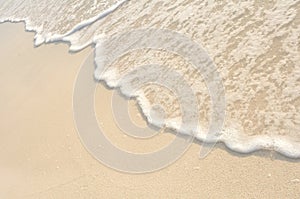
(238, 47)
(233, 139)
(34, 23)
(83, 24)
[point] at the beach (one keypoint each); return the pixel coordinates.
(41, 155)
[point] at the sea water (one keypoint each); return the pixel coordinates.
(254, 45)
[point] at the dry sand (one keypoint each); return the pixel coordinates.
(41, 155)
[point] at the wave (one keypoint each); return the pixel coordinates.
(45, 33)
(254, 45)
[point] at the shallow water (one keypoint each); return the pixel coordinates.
(254, 45)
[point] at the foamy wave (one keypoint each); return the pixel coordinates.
(255, 45)
(63, 16)
(123, 75)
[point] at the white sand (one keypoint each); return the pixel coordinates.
(41, 155)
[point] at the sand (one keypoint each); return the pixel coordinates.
(41, 155)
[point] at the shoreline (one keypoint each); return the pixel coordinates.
(256, 143)
(43, 157)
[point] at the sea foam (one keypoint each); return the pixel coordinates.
(254, 45)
